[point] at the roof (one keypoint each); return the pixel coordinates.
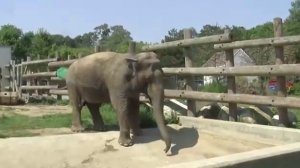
(241, 58)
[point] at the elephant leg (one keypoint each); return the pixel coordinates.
(76, 104)
(120, 104)
(96, 116)
(133, 116)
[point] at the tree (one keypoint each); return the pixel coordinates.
(115, 38)
(41, 43)
(172, 57)
(24, 46)
(10, 36)
(86, 40)
(292, 27)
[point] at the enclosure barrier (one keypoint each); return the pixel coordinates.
(280, 70)
(221, 42)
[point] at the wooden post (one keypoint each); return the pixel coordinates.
(231, 87)
(191, 105)
(132, 47)
(28, 80)
(97, 48)
(131, 51)
(37, 80)
(0, 79)
(21, 79)
(278, 32)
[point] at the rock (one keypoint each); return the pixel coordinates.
(292, 119)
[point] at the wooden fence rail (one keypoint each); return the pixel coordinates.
(57, 64)
(275, 41)
(222, 42)
(35, 62)
(226, 37)
(234, 98)
(261, 70)
(40, 75)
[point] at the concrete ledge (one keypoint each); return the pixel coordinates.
(288, 135)
(275, 157)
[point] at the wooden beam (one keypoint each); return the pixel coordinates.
(40, 75)
(65, 92)
(234, 98)
(231, 87)
(46, 87)
(44, 61)
(260, 70)
(57, 79)
(275, 41)
(190, 85)
(58, 92)
(189, 42)
(58, 64)
(282, 111)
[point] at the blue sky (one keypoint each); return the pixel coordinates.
(147, 20)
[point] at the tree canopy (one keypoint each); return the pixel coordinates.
(116, 38)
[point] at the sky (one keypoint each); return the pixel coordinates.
(146, 20)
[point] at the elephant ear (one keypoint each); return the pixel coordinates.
(148, 62)
(131, 60)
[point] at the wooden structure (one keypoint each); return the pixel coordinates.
(222, 42)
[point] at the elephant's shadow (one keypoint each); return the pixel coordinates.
(181, 138)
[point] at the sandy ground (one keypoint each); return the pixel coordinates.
(94, 150)
(33, 110)
(60, 148)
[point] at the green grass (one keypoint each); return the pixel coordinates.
(16, 125)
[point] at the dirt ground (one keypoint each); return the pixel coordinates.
(60, 148)
(34, 110)
(93, 150)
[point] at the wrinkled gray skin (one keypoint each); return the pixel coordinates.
(109, 77)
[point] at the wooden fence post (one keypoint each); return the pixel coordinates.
(231, 87)
(278, 32)
(20, 78)
(191, 104)
(28, 80)
(132, 47)
(97, 48)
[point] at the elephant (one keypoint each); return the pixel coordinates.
(119, 79)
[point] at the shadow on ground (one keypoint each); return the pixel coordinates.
(181, 138)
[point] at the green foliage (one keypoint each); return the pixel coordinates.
(10, 35)
(41, 43)
(114, 38)
(172, 57)
(215, 87)
(296, 89)
(261, 31)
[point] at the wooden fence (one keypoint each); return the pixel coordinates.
(222, 42)
(281, 101)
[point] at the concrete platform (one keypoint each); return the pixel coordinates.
(196, 143)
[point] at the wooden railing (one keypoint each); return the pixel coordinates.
(222, 42)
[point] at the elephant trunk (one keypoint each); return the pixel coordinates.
(156, 94)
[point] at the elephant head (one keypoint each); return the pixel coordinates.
(148, 79)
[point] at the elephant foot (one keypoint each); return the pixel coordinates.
(125, 142)
(77, 128)
(100, 128)
(136, 132)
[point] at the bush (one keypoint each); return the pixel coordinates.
(296, 89)
(215, 87)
